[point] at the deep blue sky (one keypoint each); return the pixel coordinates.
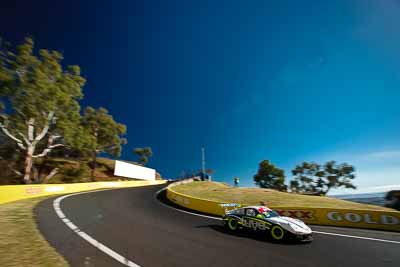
(249, 80)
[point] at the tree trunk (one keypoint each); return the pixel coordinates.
(94, 159)
(51, 174)
(28, 164)
(35, 175)
(28, 144)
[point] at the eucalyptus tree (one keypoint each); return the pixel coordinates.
(144, 154)
(310, 177)
(39, 102)
(270, 176)
(105, 134)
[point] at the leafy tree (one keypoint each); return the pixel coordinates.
(269, 176)
(43, 112)
(306, 177)
(144, 154)
(189, 174)
(295, 186)
(105, 134)
(317, 179)
(210, 171)
(158, 176)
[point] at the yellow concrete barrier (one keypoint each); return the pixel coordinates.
(369, 219)
(382, 220)
(9, 193)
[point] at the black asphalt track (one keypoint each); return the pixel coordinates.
(136, 225)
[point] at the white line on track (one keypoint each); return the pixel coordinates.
(317, 232)
(88, 238)
(184, 211)
(358, 237)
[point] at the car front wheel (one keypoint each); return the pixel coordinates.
(277, 232)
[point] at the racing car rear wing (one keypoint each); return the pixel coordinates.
(229, 206)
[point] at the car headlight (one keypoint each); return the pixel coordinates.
(296, 228)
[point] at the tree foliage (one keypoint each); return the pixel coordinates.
(39, 101)
(34, 86)
(105, 134)
(40, 111)
(310, 177)
(144, 153)
(269, 176)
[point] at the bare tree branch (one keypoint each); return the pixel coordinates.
(31, 128)
(56, 137)
(20, 73)
(6, 132)
(47, 150)
(51, 174)
(44, 153)
(46, 127)
(25, 139)
(16, 172)
(56, 145)
(21, 146)
(52, 138)
(3, 116)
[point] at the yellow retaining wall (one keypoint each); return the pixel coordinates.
(383, 220)
(9, 193)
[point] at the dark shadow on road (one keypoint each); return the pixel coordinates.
(162, 197)
(243, 233)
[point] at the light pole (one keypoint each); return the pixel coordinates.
(203, 162)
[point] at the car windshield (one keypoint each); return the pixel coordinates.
(270, 214)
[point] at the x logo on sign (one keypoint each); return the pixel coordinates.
(306, 214)
(281, 212)
(300, 214)
(293, 214)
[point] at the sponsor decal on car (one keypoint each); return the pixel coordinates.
(229, 205)
(255, 224)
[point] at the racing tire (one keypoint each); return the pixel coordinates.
(232, 225)
(277, 233)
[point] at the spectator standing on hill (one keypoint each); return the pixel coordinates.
(236, 181)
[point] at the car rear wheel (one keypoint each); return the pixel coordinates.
(277, 232)
(232, 224)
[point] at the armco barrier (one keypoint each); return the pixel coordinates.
(9, 193)
(369, 219)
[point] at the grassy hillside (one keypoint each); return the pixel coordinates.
(253, 196)
(75, 171)
(70, 171)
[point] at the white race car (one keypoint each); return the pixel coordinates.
(263, 220)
